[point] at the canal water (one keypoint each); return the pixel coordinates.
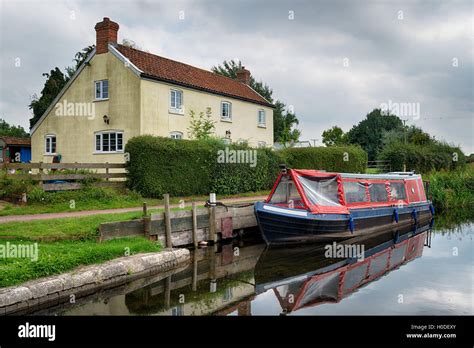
(421, 273)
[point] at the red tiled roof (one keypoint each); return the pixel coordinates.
(16, 141)
(164, 69)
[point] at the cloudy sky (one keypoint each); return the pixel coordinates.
(333, 61)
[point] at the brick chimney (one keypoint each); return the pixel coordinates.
(243, 75)
(106, 32)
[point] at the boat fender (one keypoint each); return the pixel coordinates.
(431, 223)
(414, 215)
(432, 210)
(351, 224)
(396, 237)
(395, 212)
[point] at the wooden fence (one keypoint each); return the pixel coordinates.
(51, 178)
(381, 166)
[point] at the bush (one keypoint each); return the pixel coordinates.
(191, 167)
(344, 159)
(423, 158)
(11, 189)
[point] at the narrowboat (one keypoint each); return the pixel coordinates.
(318, 206)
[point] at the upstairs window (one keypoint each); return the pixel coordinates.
(50, 144)
(176, 101)
(101, 89)
(226, 111)
(261, 118)
(176, 135)
(108, 142)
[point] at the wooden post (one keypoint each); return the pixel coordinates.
(212, 218)
(168, 292)
(106, 170)
(195, 237)
(145, 210)
(40, 170)
(169, 242)
(195, 270)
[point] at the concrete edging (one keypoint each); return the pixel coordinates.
(88, 279)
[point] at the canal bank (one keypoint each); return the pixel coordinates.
(87, 280)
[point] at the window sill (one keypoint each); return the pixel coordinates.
(176, 111)
(100, 100)
(262, 126)
(109, 153)
(228, 120)
(50, 154)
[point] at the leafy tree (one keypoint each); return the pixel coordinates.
(12, 131)
(334, 137)
(284, 122)
(55, 82)
(201, 126)
(369, 132)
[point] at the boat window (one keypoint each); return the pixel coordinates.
(397, 191)
(285, 192)
(354, 192)
(378, 193)
(321, 191)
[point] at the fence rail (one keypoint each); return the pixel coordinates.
(381, 165)
(57, 181)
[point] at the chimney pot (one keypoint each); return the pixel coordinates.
(106, 32)
(243, 76)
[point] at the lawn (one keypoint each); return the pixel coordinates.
(62, 256)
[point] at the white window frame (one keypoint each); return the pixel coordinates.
(101, 142)
(49, 151)
(176, 135)
(176, 109)
(260, 123)
(101, 90)
(262, 144)
(229, 117)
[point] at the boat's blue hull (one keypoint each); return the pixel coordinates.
(287, 226)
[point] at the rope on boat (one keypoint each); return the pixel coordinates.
(220, 204)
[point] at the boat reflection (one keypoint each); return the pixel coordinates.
(303, 277)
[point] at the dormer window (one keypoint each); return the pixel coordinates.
(102, 90)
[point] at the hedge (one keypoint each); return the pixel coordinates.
(423, 158)
(189, 167)
(345, 159)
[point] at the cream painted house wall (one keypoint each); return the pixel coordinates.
(136, 106)
(157, 119)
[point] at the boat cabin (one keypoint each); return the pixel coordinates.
(321, 192)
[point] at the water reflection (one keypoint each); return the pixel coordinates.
(414, 272)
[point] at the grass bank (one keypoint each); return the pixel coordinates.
(65, 255)
(452, 191)
(91, 198)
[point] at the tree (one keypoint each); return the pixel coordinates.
(12, 131)
(201, 127)
(369, 132)
(55, 82)
(283, 121)
(334, 137)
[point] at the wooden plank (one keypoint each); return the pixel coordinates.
(112, 230)
(46, 177)
(77, 185)
(61, 165)
(169, 243)
(195, 225)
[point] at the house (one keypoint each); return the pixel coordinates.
(121, 92)
(13, 149)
